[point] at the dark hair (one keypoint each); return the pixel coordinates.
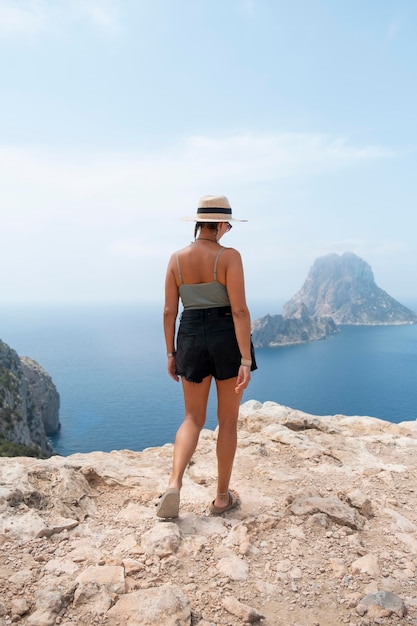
(211, 226)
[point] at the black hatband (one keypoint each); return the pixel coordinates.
(214, 210)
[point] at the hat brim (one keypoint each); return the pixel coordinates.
(203, 218)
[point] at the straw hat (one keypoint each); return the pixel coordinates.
(213, 209)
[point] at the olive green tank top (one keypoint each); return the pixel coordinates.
(203, 295)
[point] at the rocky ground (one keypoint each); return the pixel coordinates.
(326, 534)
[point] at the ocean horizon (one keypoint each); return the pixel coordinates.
(109, 366)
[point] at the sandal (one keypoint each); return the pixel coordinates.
(169, 504)
(233, 503)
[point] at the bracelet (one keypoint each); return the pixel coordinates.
(246, 362)
(170, 354)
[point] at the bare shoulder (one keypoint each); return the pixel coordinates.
(231, 255)
(231, 251)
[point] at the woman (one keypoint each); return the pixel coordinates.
(213, 341)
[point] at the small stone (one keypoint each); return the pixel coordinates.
(381, 604)
(242, 611)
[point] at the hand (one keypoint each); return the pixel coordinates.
(171, 368)
(243, 379)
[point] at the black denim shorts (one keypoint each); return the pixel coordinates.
(207, 345)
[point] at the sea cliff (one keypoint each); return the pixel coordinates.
(29, 403)
(326, 533)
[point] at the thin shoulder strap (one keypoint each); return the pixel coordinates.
(179, 269)
(215, 263)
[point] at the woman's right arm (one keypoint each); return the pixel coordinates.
(170, 316)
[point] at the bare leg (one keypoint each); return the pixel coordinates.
(227, 413)
(195, 401)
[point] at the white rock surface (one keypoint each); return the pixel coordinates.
(326, 534)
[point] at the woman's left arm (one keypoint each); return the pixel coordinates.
(235, 285)
(170, 316)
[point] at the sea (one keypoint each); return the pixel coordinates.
(108, 363)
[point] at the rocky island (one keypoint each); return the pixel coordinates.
(339, 290)
(343, 287)
(326, 534)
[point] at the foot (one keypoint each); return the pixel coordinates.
(232, 502)
(169, 504)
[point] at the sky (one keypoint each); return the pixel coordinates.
(117, 115)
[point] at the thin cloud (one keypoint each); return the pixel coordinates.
(276, 156)
(24, 18)
(393, 30)
(131, 179)
(123, 208)
(41, 16)
(247, 7)
(104, 14)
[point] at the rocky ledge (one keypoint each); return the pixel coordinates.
(326, 534)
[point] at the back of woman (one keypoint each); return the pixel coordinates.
(198, 263)
(213, 342)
